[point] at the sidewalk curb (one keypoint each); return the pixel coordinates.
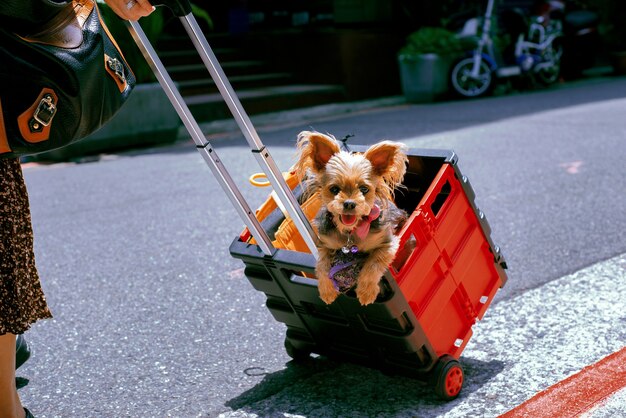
(295, 116)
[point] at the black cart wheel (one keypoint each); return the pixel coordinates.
(448, 378)
(297, 354)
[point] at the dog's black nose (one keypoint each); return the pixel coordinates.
(349, 205)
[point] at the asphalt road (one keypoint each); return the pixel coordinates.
(154, 318)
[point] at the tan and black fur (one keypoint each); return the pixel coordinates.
(350, 184)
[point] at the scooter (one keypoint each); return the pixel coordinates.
(536, 52)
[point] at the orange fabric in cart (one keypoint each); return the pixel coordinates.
(270, 205)
(287, 236)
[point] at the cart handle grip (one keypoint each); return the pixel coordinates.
(180, 8)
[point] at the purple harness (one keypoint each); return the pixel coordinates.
(345, 269)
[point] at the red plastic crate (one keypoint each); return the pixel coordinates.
(450, 278)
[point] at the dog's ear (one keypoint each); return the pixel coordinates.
(315, 149)
(388, 160)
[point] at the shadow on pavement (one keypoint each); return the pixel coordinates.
(406, 120)
(322, 387)
(413, 120)
(410, 121)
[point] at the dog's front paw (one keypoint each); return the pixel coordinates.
(367, 292)
(328, 293)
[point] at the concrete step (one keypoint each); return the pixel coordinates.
(202, 86)
(169, 42)
(260, 86)
(206, 107)
(190, 56)
(182, 72)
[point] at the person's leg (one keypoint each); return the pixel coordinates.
(10, 404)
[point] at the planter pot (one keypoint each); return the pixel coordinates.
(146, 119)
(424, 77)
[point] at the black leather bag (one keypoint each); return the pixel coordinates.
(62, 76)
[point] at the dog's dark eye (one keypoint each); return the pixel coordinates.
(334, 190)
(364, 189)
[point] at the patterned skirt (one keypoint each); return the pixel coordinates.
(22, 301)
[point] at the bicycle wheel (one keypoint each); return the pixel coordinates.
(549, 75)
(467, 85)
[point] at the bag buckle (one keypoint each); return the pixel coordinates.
(44, 113)
(116, 66)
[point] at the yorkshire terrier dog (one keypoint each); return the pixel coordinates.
(357, 220)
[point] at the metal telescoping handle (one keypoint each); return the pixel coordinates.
(182, 9)
(259, 150)
(204, 146)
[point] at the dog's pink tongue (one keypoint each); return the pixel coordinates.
(348, 219)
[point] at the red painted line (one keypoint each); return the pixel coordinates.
(578, 393)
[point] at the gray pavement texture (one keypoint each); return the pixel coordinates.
(154, 318)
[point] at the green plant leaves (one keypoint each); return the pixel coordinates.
(430, 40)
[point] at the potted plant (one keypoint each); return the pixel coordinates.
(425, 62)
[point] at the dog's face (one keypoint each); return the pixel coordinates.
(350, 184)
(348, 188)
